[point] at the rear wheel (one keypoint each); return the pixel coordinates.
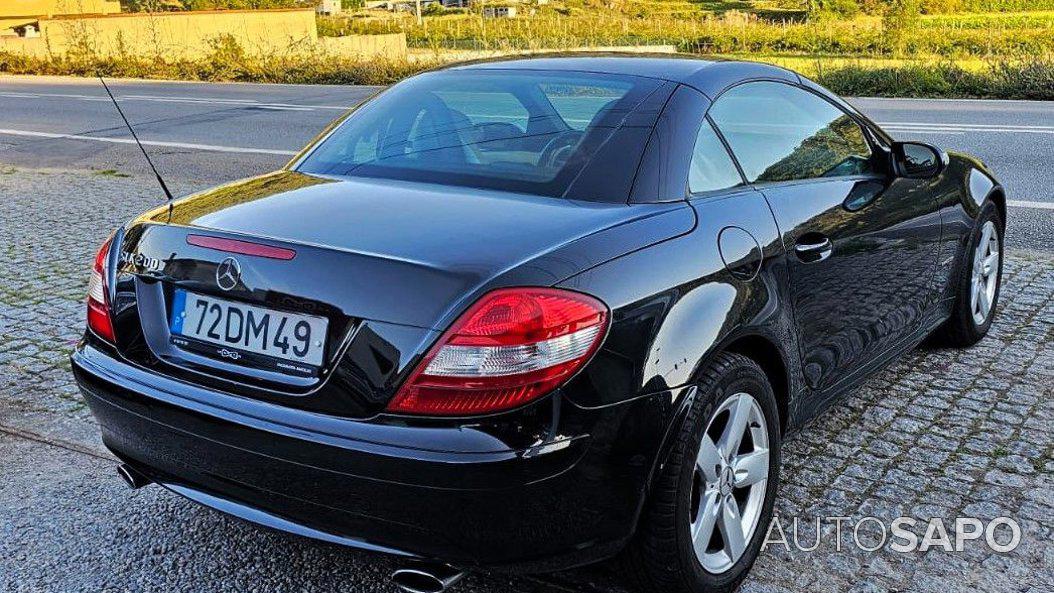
(708, 514)
(979, 282)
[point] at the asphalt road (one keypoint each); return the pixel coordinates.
(202, 134)
(941, 433)
(207, 133)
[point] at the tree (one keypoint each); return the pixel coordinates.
(839, 8)
(900, 20)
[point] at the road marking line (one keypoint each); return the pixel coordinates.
(280, 108)
(939, 129)
(935, 100)
(186, 145)
(227, 102)
(959, 125)
(948, 133)
(190, 100)
(35, 96)
(232, 101)
(1026, 204)
(962, 129)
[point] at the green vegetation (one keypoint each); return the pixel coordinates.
(219, 67)
(933, 48)
(1032, 79)
(896, 28)
(998, 80)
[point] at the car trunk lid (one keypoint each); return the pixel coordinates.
(385, 264)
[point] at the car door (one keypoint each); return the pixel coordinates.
(862, 245)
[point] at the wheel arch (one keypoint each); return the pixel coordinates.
(998, 196)
(770, 358)
(757, 347)
(979, 185)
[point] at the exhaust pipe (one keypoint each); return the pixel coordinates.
(426, 578)
(132, 476)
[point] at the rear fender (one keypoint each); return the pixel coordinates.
(684, 398)
(677, 302)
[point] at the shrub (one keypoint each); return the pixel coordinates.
(941, 6)
(1006, 5)
(294, 68)
(1032, 79)
(899, 22)
(1024, 79)
(826, 9)
(999, 80)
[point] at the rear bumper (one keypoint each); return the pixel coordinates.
(456, 493)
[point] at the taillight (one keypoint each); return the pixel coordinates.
(98, 304)
(511, 347)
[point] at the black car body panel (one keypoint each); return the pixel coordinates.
(357, 265)
(391, 264)
(388, 484)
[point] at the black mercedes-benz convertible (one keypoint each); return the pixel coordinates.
(530, 314)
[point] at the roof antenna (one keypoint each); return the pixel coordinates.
(161, 181)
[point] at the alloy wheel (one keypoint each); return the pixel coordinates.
(985, 277)
(731, 473)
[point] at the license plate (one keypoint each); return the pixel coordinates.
(242, 331)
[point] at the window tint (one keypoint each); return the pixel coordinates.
(578, 103)
(779, 132)
(518, 131)
(712, 168)
(483, 107)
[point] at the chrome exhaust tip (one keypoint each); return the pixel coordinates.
(132, 477)
(426, 578)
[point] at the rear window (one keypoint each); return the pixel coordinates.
(517, 131)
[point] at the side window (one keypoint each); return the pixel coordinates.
(712, 168)
(780, 132)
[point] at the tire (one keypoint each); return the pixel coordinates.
(963, 328)
(662, 557)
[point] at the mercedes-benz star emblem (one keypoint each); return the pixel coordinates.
(228, 273)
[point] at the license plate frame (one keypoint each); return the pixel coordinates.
(262, 331)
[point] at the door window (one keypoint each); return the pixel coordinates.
(712, 167)
(780, 132)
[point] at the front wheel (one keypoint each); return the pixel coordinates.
(980, 278)
(707, 516)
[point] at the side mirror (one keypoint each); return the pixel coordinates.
(917, 160)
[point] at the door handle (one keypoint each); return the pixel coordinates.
(813, 248)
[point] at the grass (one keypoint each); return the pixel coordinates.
(1002, 79)
(960, 48)
(1010, 20)
(756, 28)
(292, 69)
(1032, 80)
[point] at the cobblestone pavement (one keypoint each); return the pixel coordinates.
(941, 434)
